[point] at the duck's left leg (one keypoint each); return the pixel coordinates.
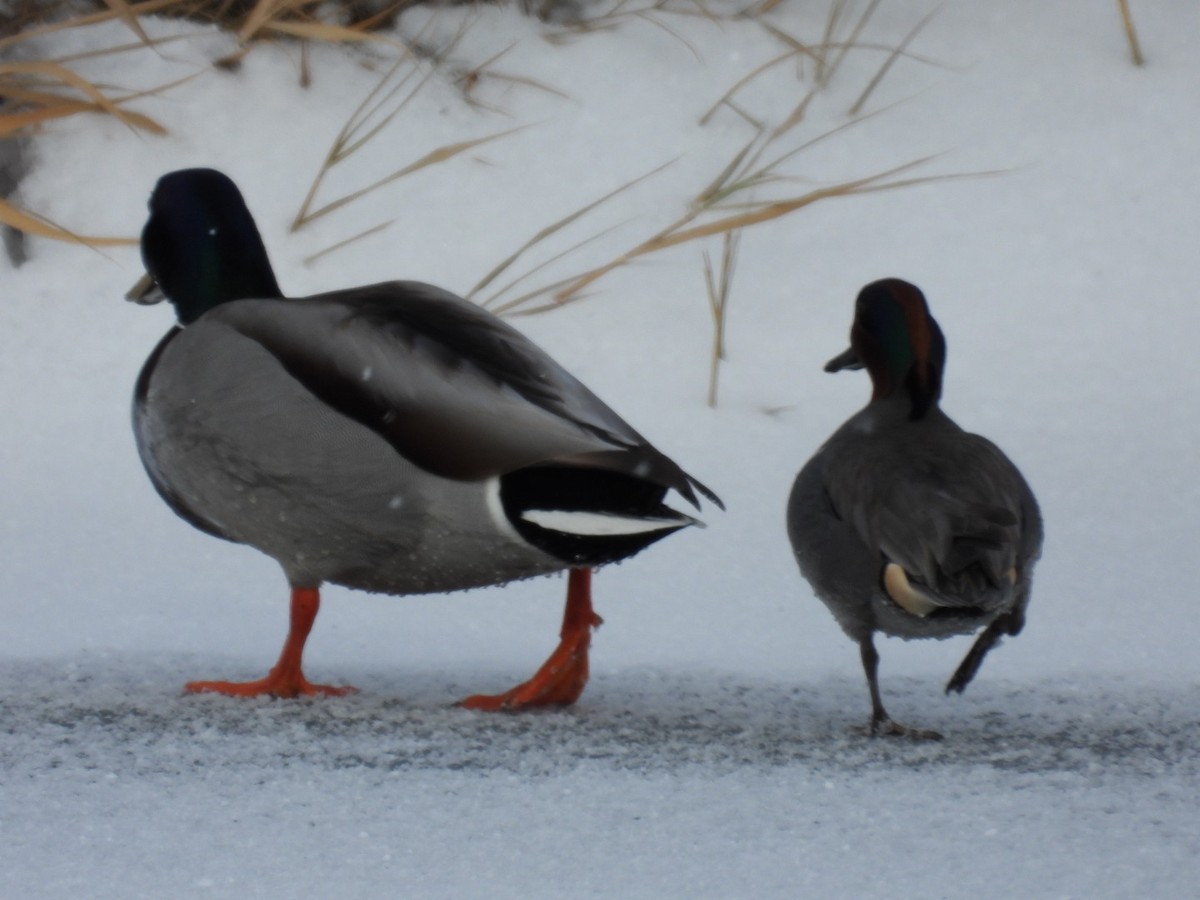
(563, 676)
(1009, 624)
(286, 679)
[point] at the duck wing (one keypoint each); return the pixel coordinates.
(944, 505)
(452, 387)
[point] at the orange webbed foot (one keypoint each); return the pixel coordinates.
(287, 678)
(274, 686)
(559, 682)
(561, 679)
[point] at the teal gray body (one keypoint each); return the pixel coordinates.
(902, 522)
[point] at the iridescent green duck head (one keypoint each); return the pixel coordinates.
(201, 247)
(898, 342)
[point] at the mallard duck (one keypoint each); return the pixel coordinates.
(392, 438)
(903, 522)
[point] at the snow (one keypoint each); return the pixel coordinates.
(713, 754)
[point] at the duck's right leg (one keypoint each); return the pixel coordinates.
(881, 722)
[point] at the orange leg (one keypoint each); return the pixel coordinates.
(286, 679)
(562, 678)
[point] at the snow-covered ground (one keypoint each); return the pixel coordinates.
(713, 753)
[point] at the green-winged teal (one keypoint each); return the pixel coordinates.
(902, 522)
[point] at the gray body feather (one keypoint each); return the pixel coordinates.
(358, 437)
(944, 504)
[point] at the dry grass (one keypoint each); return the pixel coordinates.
(752, 188)
(656, 13)
(469, 79)
(395, 91)
(826, 57)
(733, 200)
(34, 92)
(34, 27)
(715, 211)
(542, 235)
(718, 286)
(31, 223)
(858, 104)
(256, 20)
(1135, 48)
(38, 91)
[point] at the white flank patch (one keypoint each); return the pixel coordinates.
(595, 524)
(495, 506)
(907, 596)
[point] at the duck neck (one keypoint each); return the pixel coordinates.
(918, 387)
(220, 274)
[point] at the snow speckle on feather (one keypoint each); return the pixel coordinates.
(713, 754)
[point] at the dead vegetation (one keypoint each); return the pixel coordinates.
(754, 187)
(1135, 48)
(34, 92)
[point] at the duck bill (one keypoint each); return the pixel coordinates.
(146, 292)
(847, 360)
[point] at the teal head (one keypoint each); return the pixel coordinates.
(898, 342)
